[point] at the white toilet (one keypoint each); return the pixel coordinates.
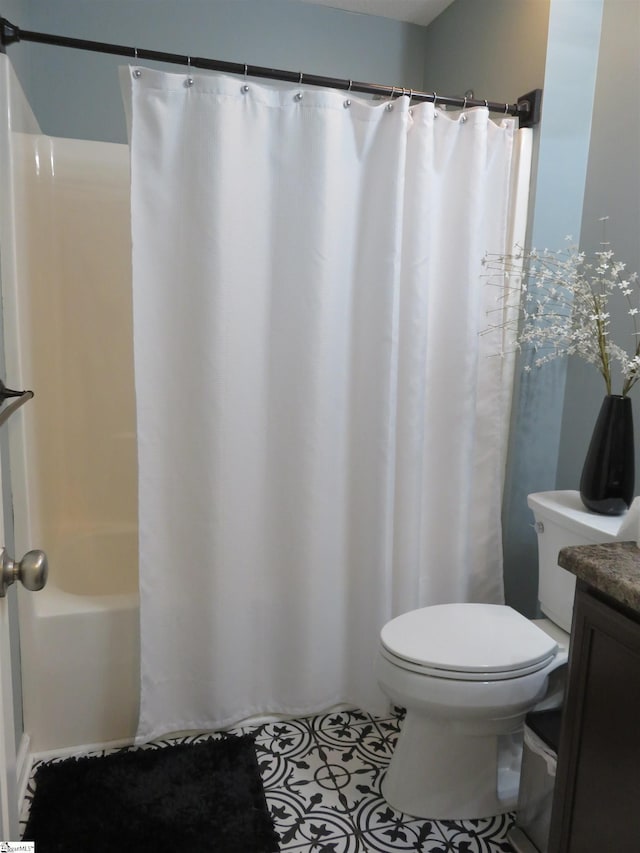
(467, 674)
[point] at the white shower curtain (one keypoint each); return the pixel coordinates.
(321, 435)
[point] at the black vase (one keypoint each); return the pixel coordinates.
(607, 481)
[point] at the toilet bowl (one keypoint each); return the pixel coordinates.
(467, 674)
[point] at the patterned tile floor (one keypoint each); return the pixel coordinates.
(322, 780)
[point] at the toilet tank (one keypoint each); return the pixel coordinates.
(561, 520)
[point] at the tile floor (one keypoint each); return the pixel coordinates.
(322, 780)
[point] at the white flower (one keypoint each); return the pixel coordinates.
(558, 302)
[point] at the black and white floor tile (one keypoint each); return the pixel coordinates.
(322, 778)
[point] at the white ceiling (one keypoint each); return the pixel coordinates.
(412, 11)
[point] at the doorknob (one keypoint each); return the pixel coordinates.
(32, 570)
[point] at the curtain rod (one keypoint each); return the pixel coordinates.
(527, 109)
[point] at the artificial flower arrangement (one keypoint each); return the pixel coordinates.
(557, 303)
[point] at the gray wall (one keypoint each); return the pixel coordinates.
(76, 94)
(570, 79)
(496, 48)
(613, 189)
(501, 49)
(14, 11)
(524, 45)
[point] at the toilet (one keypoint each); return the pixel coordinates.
(467, 675)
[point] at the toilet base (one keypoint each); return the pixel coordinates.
(439, 772)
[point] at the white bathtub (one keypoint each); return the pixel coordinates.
(80, 650)
(73, 447)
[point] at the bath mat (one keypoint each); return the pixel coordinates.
(200, 797)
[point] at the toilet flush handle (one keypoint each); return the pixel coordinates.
(539, 527)
(32, 570)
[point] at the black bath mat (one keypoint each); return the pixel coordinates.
(196, 797)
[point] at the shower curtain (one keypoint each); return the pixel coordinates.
(321, 430)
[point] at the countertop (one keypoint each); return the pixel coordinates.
(612, 568)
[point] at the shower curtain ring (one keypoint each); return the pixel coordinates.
(189, 80)
(300, 78)
(506, 109)
(435, 99)
(350, 85)
(389, 106)
(136, 72)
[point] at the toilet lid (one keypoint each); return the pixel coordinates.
(468, 638)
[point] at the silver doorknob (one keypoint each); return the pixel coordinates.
(32, 570)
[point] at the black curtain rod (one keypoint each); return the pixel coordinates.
(527, 108)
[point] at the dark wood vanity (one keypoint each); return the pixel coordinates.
(596, 804)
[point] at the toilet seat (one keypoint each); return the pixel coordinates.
(467, 642)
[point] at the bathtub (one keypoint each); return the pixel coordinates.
(73, 447)
(80, 644)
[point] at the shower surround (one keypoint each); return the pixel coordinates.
(73, 454)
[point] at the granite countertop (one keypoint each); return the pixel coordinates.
(612, 568)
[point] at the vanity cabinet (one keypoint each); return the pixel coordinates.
(596, 806)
